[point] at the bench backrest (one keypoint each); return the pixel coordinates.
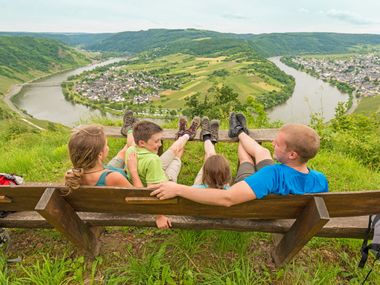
(138, 201)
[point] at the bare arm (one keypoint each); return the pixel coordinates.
(238, 193)
(117, 179)
(132, 167)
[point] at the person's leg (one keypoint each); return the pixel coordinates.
(130, 139)
(246, 164)
(175, 150)
(253, 148)
(174, 166)
(209, 151)
(172, 171)
(118, 161)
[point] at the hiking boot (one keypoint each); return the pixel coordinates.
(235, 126)
(192, 130)
(214, 129)
(182, 124)
(243, 122)
(128, 122)
(205, 129)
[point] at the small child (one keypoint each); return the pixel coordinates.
(88, 150)
(153, 169)
(215, 172)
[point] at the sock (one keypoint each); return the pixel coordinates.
(240, 131)
(207, 137)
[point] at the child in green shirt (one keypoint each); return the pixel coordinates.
(153, 169)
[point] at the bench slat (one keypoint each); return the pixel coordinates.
(112, 199)
(352, 227)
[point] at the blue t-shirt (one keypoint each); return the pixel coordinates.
(109, 169)
(283, 180)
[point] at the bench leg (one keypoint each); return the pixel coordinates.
(54, 208)
(311, 221)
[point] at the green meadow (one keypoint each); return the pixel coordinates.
(202, 77)
(369, 105)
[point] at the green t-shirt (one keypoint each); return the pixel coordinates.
(149, 165)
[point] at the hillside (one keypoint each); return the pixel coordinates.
(265, 44)
(177, 39)
(25, 58)
(300, 43)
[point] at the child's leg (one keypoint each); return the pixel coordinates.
(209, 151)
(174, 151)
(173, 169)
(253, 148)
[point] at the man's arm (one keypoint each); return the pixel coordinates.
(238, 193)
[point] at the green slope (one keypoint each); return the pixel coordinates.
(26, 58)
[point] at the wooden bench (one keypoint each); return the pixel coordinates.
(296, 217)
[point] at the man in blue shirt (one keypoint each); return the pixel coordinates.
(294, 145)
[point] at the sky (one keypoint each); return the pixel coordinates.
(235, 16)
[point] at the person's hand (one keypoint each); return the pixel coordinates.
(132, 162)
(164, 190)
(163, 222)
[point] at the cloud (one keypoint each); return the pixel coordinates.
(234, 17)
(349, 17)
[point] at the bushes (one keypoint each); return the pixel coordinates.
(354, 135)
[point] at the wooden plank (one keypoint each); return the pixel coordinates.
(310, 222)
(260, 135)
(24, 198)
(5, 199)
(92, 199)
(351, 227)
(62, 217)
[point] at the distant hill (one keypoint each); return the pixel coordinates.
(73, 39)
(198, 41)
(23, 58)
(301, 43)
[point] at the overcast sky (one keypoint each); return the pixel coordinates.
(237, 16)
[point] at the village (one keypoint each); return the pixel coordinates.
(361, 72)
(115, 85)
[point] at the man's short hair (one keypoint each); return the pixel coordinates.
(144, 130)
(301, 139)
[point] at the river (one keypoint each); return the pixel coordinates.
(311, 95)
(43, 99)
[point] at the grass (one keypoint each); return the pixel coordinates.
(369, 105)
(131, 255)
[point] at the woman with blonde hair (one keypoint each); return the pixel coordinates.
(88, 150)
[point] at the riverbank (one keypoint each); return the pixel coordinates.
(15, 89)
